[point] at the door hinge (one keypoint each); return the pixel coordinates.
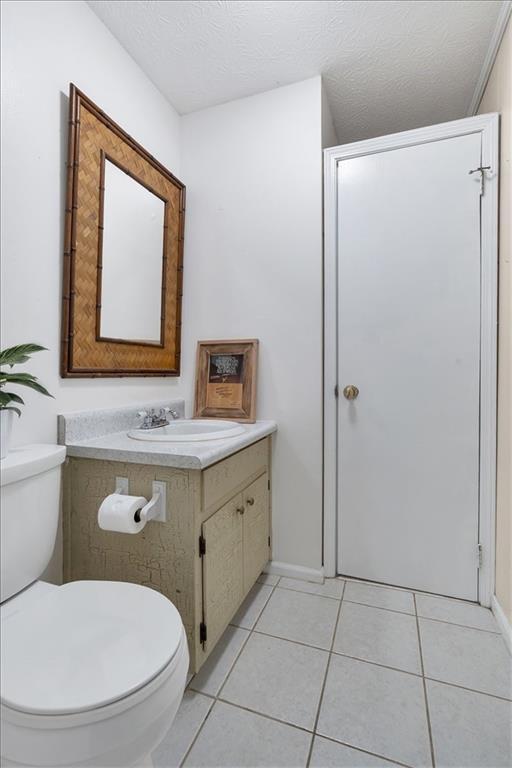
(203, 634)
(268, 484)
(202, 546)
(479, 555)
(336, 391)
(269, 541)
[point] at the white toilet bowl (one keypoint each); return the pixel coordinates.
(93, 672)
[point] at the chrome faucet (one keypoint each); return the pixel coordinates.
(152, 419)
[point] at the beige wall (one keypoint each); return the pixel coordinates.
(498, 98)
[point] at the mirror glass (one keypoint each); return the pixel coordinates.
(132, 259)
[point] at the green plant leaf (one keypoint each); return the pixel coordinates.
(25, 379)
(6, 376)
(19, 354)
(15, 398)
(10, 408)
(14, 356)
(10, 397)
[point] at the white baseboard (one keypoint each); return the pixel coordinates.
(295, 571)
(503, 622)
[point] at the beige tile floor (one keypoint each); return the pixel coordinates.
(348, 674)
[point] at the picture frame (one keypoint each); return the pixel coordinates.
(226, 380)
(97, 144)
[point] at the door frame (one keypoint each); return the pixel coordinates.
(488, 127)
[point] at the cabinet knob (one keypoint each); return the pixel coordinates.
(241, 510)
(250, 501)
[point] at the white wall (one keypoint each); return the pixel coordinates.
(253, 249)
(45, 45)
(329, 135)
(253, 268)
(498, 98)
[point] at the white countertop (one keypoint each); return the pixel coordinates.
(117, 446)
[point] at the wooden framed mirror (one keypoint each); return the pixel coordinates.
(123, 253)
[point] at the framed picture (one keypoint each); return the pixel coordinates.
(226, 380)
(124, 229)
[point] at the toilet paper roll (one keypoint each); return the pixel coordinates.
(118, 512)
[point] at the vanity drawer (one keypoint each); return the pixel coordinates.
(223, 480)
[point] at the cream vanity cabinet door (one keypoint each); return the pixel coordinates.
(223, 573)
(256, 530)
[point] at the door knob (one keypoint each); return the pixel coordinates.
(241, 510)
(250, 501)
(350, 392)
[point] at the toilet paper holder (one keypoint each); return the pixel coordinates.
(155, 508)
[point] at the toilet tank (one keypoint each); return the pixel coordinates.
(29, 514)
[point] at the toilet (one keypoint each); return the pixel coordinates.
(92, 672)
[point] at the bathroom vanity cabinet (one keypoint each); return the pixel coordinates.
(205, 557)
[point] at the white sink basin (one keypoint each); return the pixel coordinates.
(189, 430)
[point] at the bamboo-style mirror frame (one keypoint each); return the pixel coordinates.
(92, 137)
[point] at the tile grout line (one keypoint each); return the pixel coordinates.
(313, 594)
(189, 748)
(288, 640)
(300, 728)
(237, 655)
(375, 663)
(272, 590)
(331, 653)
(462, 626)
(311, 733)
(336, 653)
(380, 607)
(383, 608)
(427, 710)
(267, 717)
(363, 751)
(470, 690)
(233, 626)
(217, 695)
(251, 631)
(419, 593)
(324, 682)
(427, 618)
(410, 590)
(378, 584)
(364, 661)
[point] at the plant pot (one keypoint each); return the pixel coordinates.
(6, 417)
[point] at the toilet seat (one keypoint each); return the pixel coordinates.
(117, 734)
(95, 643)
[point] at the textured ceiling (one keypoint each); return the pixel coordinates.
(386, 65)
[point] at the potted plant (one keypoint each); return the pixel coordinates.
(9, 401)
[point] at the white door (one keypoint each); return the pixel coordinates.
(409, 341)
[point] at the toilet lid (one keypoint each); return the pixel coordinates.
(86, 644)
